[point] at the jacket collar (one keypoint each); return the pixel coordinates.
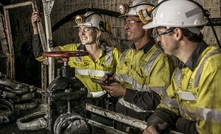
(104, 49)
(195, 57)
(147, 46)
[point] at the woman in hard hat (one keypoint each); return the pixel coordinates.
(102, 59)
(193, 101)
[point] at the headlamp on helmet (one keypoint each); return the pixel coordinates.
(92, 19)
(140, 8)
(145, 14)
(122, 8)
(86, 19)
(78, 19)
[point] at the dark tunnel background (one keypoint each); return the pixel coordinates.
(27, 69)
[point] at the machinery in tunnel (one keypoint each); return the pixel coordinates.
(65, 88)
(61, 105)
(63, 97)
(61, 102)
(64, 110)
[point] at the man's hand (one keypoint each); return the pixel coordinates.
(115, 89)
(150, 130)
(108, 78)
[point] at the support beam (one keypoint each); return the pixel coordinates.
(11, 70)
(120, 117)
(108, 129)
(47, 6)
(116, 116)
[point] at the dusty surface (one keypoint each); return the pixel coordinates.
(12, 128)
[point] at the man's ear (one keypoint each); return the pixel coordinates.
(178, 33)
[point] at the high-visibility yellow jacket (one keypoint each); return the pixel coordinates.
(85, 67)
(147, 73)
(195, 93)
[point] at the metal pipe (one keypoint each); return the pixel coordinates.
(33, 121)
(27, 106)
(18, 5)
(116, 116)
(121, 118)
(11, 56)
(48, 5)
(108, 129)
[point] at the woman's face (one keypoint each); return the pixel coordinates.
(87, 35)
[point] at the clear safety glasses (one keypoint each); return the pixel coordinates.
(85, 29)
(131, 22)
(169, 30)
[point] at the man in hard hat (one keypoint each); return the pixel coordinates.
(144, 71)
(192, 103)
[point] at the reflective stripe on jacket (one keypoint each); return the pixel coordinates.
(86, 68)
(198, 92)
(136, 68)
(146, 73)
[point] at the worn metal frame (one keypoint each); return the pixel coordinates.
(11, 55)
(4, 42)
(117, 117)
(47, 6)
(11, 70)
(108, 129)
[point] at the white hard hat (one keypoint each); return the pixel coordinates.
(90, 19)
(177, 13)
(136, 6)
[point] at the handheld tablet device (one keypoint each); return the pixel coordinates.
(98, 81)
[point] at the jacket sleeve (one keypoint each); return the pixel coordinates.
(116, 54)
(141, 99)
(36, 46)
(161, 73)
(186, 126)
(159, 80)
(208, 98)
(156, 82)
(163, 119)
